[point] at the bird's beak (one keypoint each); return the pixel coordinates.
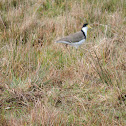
(89, 26)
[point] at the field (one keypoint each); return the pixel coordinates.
(44, 83)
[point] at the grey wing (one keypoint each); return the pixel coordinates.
(76, 37)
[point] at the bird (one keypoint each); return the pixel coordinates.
(76, 39)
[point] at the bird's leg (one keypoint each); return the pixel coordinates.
(67, 48)
(66, 45)
(76, 52)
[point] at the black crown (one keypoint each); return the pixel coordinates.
(85, 25)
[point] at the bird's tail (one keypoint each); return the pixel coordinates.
(63, 42)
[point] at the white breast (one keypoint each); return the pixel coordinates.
(77, 44)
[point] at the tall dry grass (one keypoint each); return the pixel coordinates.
(44, 83)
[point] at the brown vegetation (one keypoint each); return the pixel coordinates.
(45, 83)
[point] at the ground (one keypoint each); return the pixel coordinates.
(47, 83)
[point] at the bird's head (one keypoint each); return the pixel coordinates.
(85, 28)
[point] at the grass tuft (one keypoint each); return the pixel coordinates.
(45, 83)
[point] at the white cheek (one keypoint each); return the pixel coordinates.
(85, 30)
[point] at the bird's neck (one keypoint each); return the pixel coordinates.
(84, 30)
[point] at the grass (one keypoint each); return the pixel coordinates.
(44, 83)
